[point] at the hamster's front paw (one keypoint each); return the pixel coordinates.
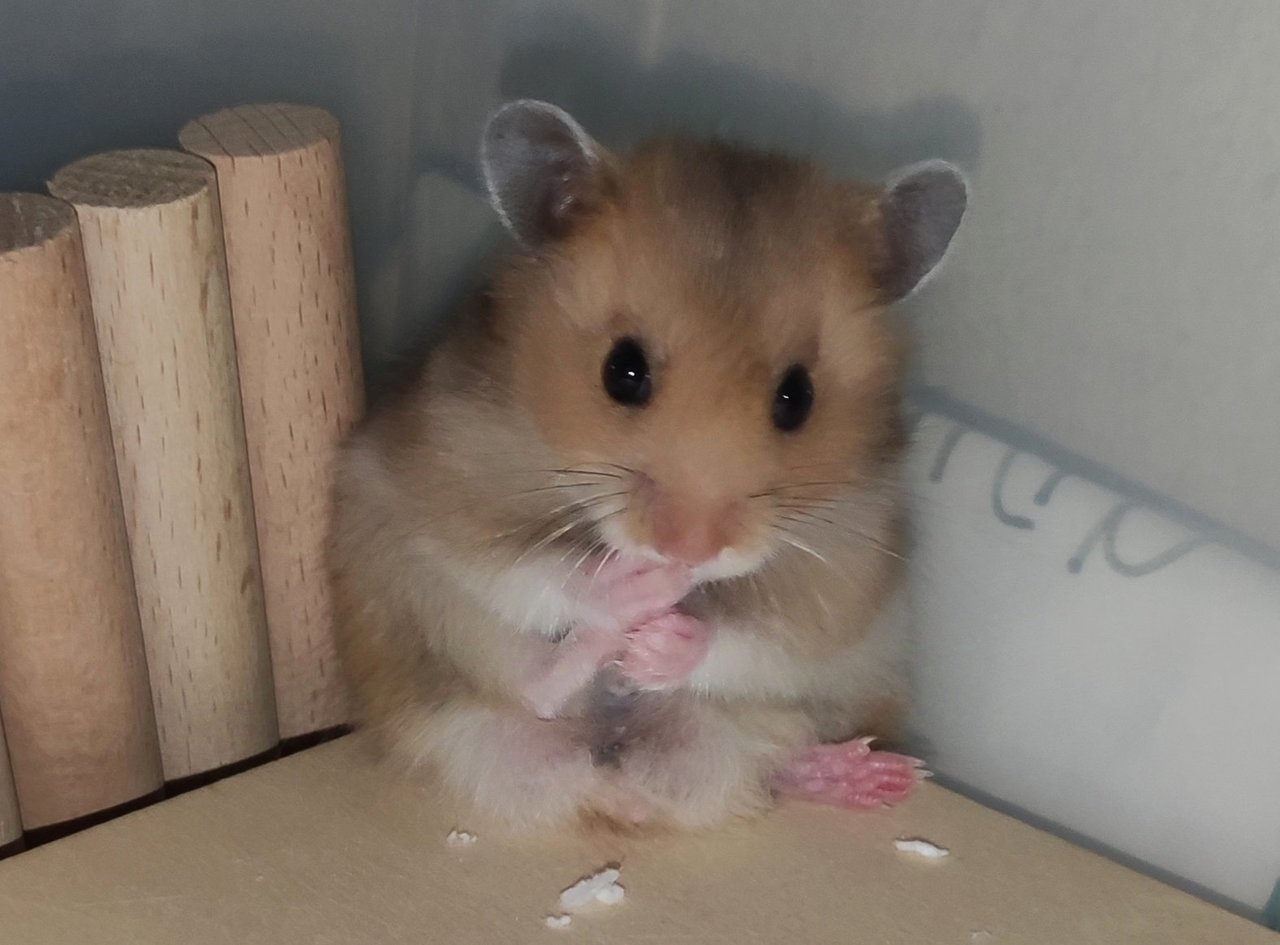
(629, 593)
(850, 774)
(663, 651)
(569, 665)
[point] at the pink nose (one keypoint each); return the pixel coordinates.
(687, 536)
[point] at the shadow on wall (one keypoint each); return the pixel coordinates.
(140, 99)
(622, 101)
(132, 99)
(621, 98)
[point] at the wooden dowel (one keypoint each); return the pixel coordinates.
(10, 821)
(157, 277)
(284, 211)
(73, 675)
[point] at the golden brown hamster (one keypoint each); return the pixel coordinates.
(630, 544)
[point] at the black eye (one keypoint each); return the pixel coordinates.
(793, 399)
(626, 374)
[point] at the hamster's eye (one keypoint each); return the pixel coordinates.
(626, 374)
(793, 400)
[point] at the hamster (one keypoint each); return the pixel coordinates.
(628, 549)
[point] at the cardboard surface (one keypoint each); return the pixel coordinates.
(325, 848)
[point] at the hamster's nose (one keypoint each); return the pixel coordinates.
(688, 532)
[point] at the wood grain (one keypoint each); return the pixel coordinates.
(73, 674)
(157, 276)
(284, 211)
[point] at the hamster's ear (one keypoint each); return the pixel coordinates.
(543, 172)
(920, 211)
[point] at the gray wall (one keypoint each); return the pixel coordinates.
(1113, 290)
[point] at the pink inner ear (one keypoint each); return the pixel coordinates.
(541, 169)
(920, 213)
(560, 202)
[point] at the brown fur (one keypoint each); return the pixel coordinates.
(730, 266)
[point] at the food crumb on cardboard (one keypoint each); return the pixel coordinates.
(460, 838)
(611, 895)
(599, 887)
(558, 921)
(980, 937)
(921, 847)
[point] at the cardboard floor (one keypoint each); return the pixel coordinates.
(324, 847)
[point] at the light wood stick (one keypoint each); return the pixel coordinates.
(284, 211)
(73, 674)
(157, 276)
(10, 820)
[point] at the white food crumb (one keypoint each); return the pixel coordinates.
(587, 890)
(611, 895)
(558, 921)
(980, 936)
(930, 851)
(460, 838)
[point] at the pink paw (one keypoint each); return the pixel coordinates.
(630, 592)
(851, 774)
(568, 666)
(665, 650)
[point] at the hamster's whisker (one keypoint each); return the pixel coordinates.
(546, 540)
(577, 515)
(575, 471)
(548, 520)
(784, 489)
(787, 537)
(766, 593)
(804, 466)
(604, 559)
(828, 507)
(812, 484)
(791, 516)
(592, 547)
(485, 501)
(557, 486)
(571, 549)
(801, 502)
(608, 515)
(584, 503)
(588, 477)
(553, 517)
(593, 523)
(865, 484)
(863, 538)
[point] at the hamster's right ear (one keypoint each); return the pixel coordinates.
(920, 210)
(542, 171)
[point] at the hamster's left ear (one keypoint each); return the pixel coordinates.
(920, 210)
(542, 171)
